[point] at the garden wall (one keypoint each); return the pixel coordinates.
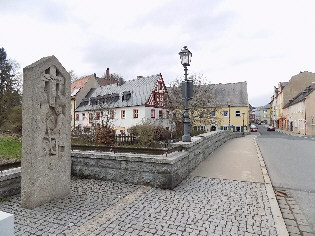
(10, 182)
(155, 170)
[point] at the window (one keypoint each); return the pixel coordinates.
(123, 114)
(212, 113)
(97, 117)
(202, 114)
(152, 113)
(77, 116)
(238, 113)
(160, 114)
(135, 113)
(238, 128)
(90, 117)
(160, 86)
(225, 127)
(83, 116)
(111, 114)
(226, 113)
(199, 128)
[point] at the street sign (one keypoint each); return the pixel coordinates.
(187, 89)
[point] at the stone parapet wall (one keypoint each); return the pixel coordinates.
(160, 171)
(10, 182)
(155, 170)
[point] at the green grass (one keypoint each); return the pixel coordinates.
(10, 148)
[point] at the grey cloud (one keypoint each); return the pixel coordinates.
(200, 21)
(128, 56)
(49, 10)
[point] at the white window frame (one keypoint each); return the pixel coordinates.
(238, 112)
(225, 127)
(213, 115)
(227, 113)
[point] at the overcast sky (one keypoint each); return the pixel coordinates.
(261, 42)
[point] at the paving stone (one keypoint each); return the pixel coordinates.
(198, 206)
(305, 228)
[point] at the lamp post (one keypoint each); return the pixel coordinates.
(243, 121)
(187, 92)
(229, 117)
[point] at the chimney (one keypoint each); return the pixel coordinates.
(120, 81)
(139, 76)
(107, 73)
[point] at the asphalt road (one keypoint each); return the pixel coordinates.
(290, 162)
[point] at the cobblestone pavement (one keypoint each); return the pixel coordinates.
(293, 217)
(198, 206)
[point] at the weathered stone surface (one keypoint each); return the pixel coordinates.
(46, 159)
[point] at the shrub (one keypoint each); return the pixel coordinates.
(105, 134)
(149, 135)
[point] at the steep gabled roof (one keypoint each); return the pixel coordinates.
(300, 97)
(78, 84)
(132, 93)
(233, 94)
(283, 84)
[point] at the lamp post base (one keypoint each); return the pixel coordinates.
(186, 138)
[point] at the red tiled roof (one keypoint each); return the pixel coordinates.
(77, 84)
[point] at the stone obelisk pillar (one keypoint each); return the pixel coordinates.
(46, 154)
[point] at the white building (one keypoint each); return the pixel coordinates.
(123, 106)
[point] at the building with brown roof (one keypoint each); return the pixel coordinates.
(288, 91)
(79, 89)
(301, 112)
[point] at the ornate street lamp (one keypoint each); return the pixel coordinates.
(229, 117)
(187, 91)
(243, 121)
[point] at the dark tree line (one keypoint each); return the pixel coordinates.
(10, 95)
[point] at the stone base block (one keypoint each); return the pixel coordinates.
(6, 224)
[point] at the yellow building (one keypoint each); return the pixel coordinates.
(227, 107)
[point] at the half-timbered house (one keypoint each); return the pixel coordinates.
(125, 105)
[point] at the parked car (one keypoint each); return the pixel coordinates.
(271, 128)
(253, 128)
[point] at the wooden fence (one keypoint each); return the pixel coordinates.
(125, 139)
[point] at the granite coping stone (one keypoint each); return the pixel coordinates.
(10, 174)
(170, 159)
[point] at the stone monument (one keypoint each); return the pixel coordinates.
(46, 154)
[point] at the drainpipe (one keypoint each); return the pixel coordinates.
(74, 115)
(304, 119)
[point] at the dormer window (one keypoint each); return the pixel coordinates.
(93, 101)
(115, 97)
(126, 95)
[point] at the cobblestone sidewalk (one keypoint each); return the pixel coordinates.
(198, 206)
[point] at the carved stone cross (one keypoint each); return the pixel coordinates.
(52, 81)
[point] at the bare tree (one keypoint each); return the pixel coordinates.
(202, 107)
(73, 75)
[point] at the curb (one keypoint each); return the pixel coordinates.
(294, 134)
(275, 209)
